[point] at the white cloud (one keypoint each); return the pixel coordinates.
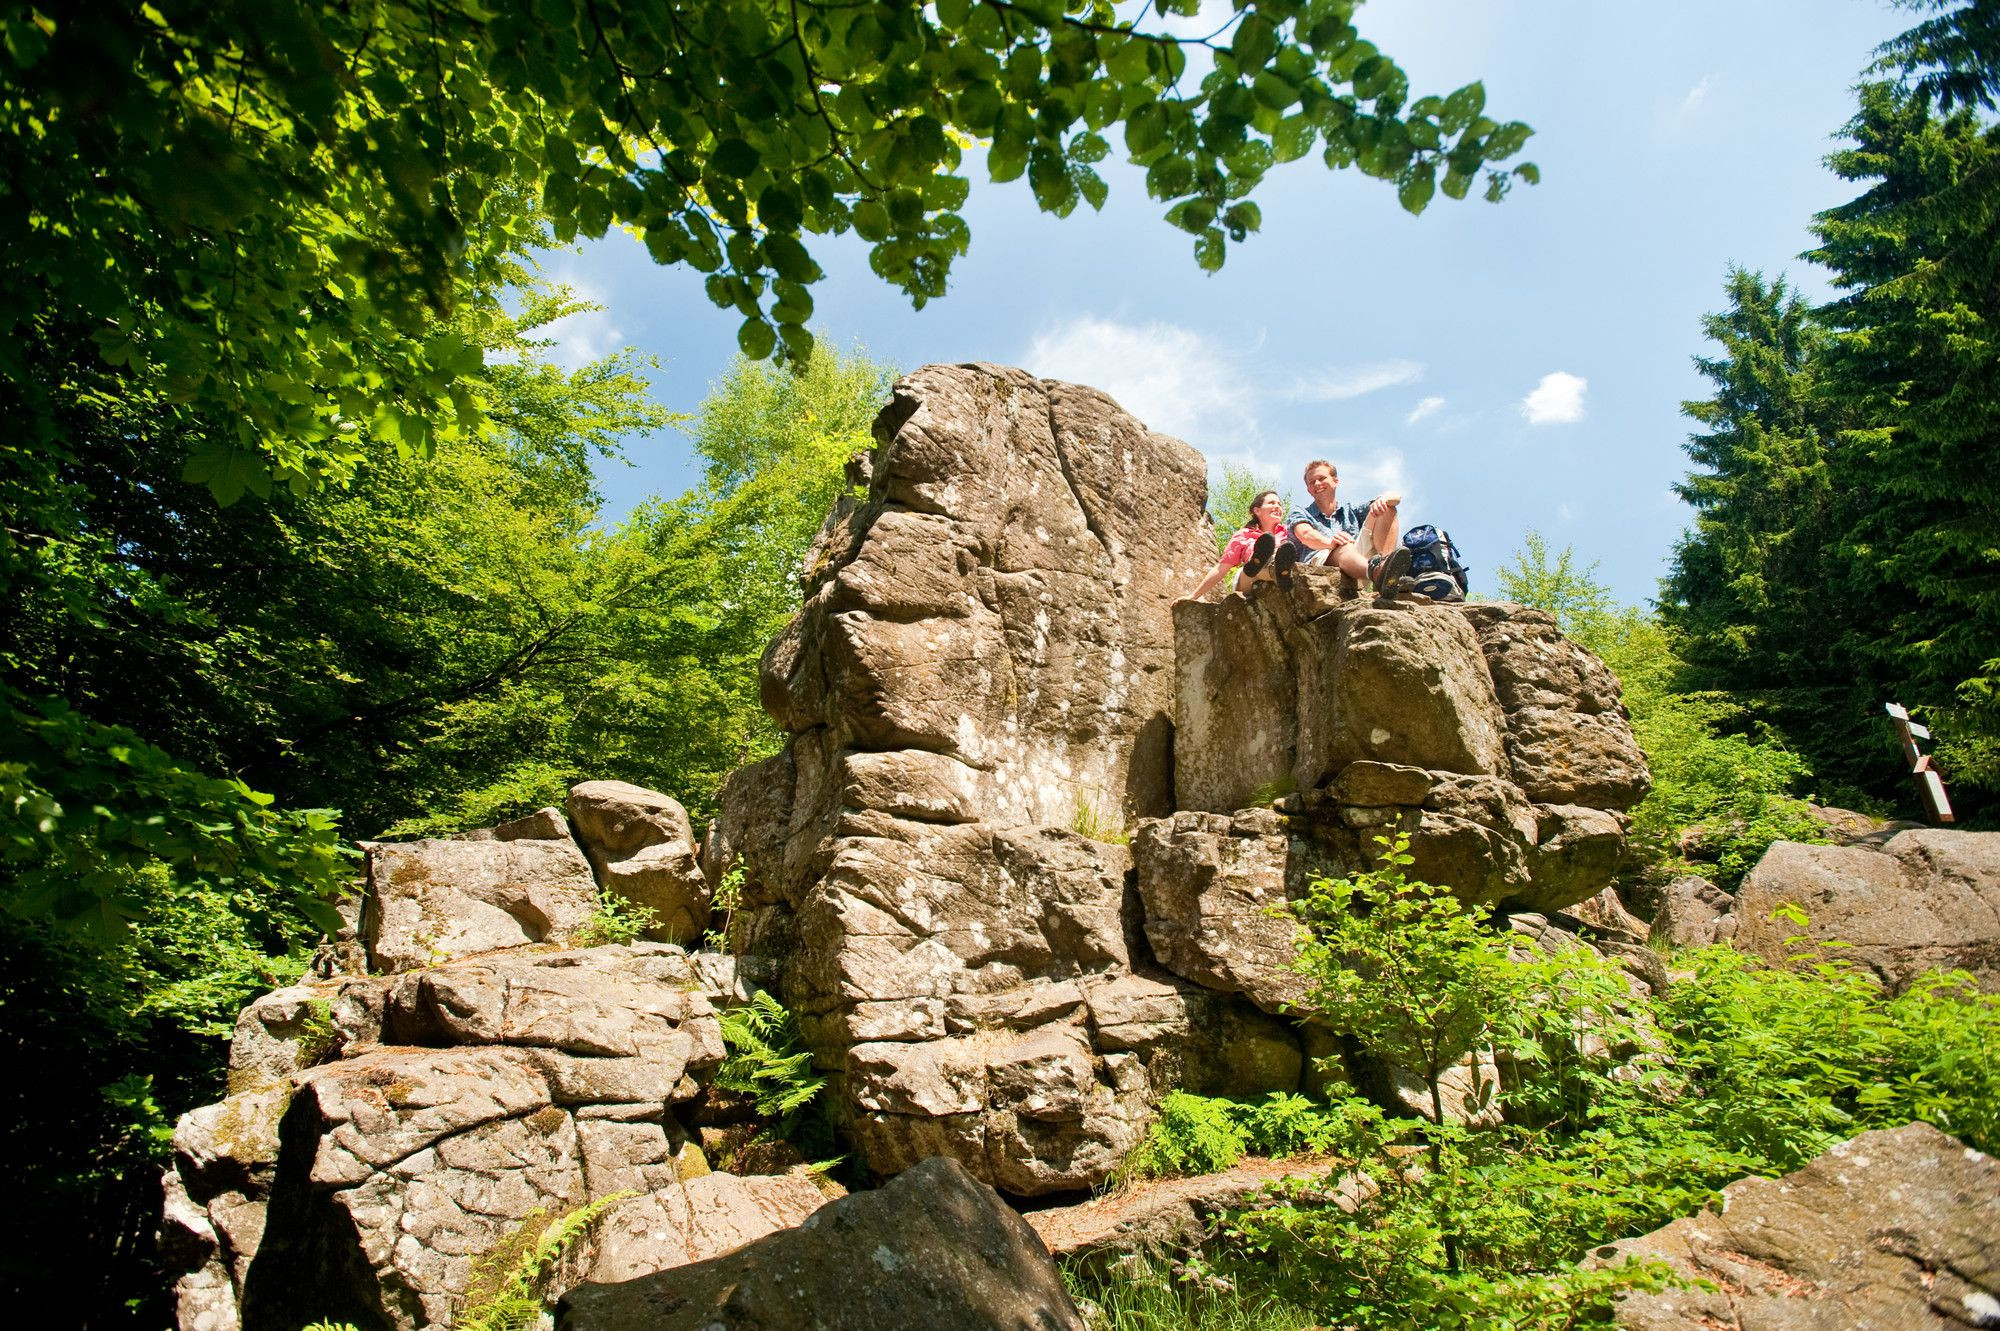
(1174, 379)
(1428, 407)
(1557, 400)
(1676, 119)
(1355, 380)
(1379, 474)
(588, 335)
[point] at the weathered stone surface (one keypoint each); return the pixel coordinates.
(1576, 853)
(428, 901)
(616, 819)
(1568, 741)
(1267, 698)
(642, 847)
(1850, 828)
(1892, 1231)
(1372, 712)
(288, 1030)
(1607, 917)
(401, 1166)
(694, 1221)
(1926, 900)
(935, 1248)
(1469, 1090)
(364, 1188)
(1179, 1216)
(1211, 885)
(1693, 912)
(608, 1024)
(1375, 784)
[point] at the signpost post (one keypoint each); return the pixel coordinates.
(1928, 780)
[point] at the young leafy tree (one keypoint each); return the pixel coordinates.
(1407, 970)
(655, 678)
(1229, 502)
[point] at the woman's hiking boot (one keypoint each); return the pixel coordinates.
(1260, 555)
(1283, 562)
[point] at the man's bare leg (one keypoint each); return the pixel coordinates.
(1382, 529)
(1349, 560)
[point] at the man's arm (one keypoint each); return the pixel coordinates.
(1312, 538)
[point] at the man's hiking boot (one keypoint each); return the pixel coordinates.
(1260, 555)
(1386, 572)
(1282, 563)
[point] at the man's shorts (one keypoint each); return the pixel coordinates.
(1314, 556)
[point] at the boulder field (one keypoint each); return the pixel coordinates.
(1018, 870)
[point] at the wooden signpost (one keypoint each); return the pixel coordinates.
(1928, 780)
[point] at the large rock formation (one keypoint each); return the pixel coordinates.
(990, 683)
(980, 690)
(1892, 1231)
(988, 688)
(1498, 746)
(1925, 900)
(460, 1100)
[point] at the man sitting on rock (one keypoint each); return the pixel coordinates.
(1328, 532)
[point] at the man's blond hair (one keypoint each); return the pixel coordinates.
(1320, 462)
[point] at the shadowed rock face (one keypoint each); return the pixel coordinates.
(933, 1249)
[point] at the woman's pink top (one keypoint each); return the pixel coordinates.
(1237, 552)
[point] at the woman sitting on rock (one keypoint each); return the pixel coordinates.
(1262, 550)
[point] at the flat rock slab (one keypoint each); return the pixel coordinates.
(1893, 1231)
(935, 1249)
(1178, 1215)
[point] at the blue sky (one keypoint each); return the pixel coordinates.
(1507, 367)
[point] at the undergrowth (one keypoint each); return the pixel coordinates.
(616, 920)
(1623, 1111)
(509, 1290)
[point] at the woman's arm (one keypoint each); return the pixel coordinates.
(1215, 575)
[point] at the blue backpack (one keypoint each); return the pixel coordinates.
(1435, 568)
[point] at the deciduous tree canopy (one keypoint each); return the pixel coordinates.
(262, 203)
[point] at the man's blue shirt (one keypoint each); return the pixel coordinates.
(1345, 517)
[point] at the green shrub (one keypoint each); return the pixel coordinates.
(1192, 1134)
(1623, 1112)
(616, 920)
(766, 1061)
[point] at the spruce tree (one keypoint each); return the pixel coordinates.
(1913, 368)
